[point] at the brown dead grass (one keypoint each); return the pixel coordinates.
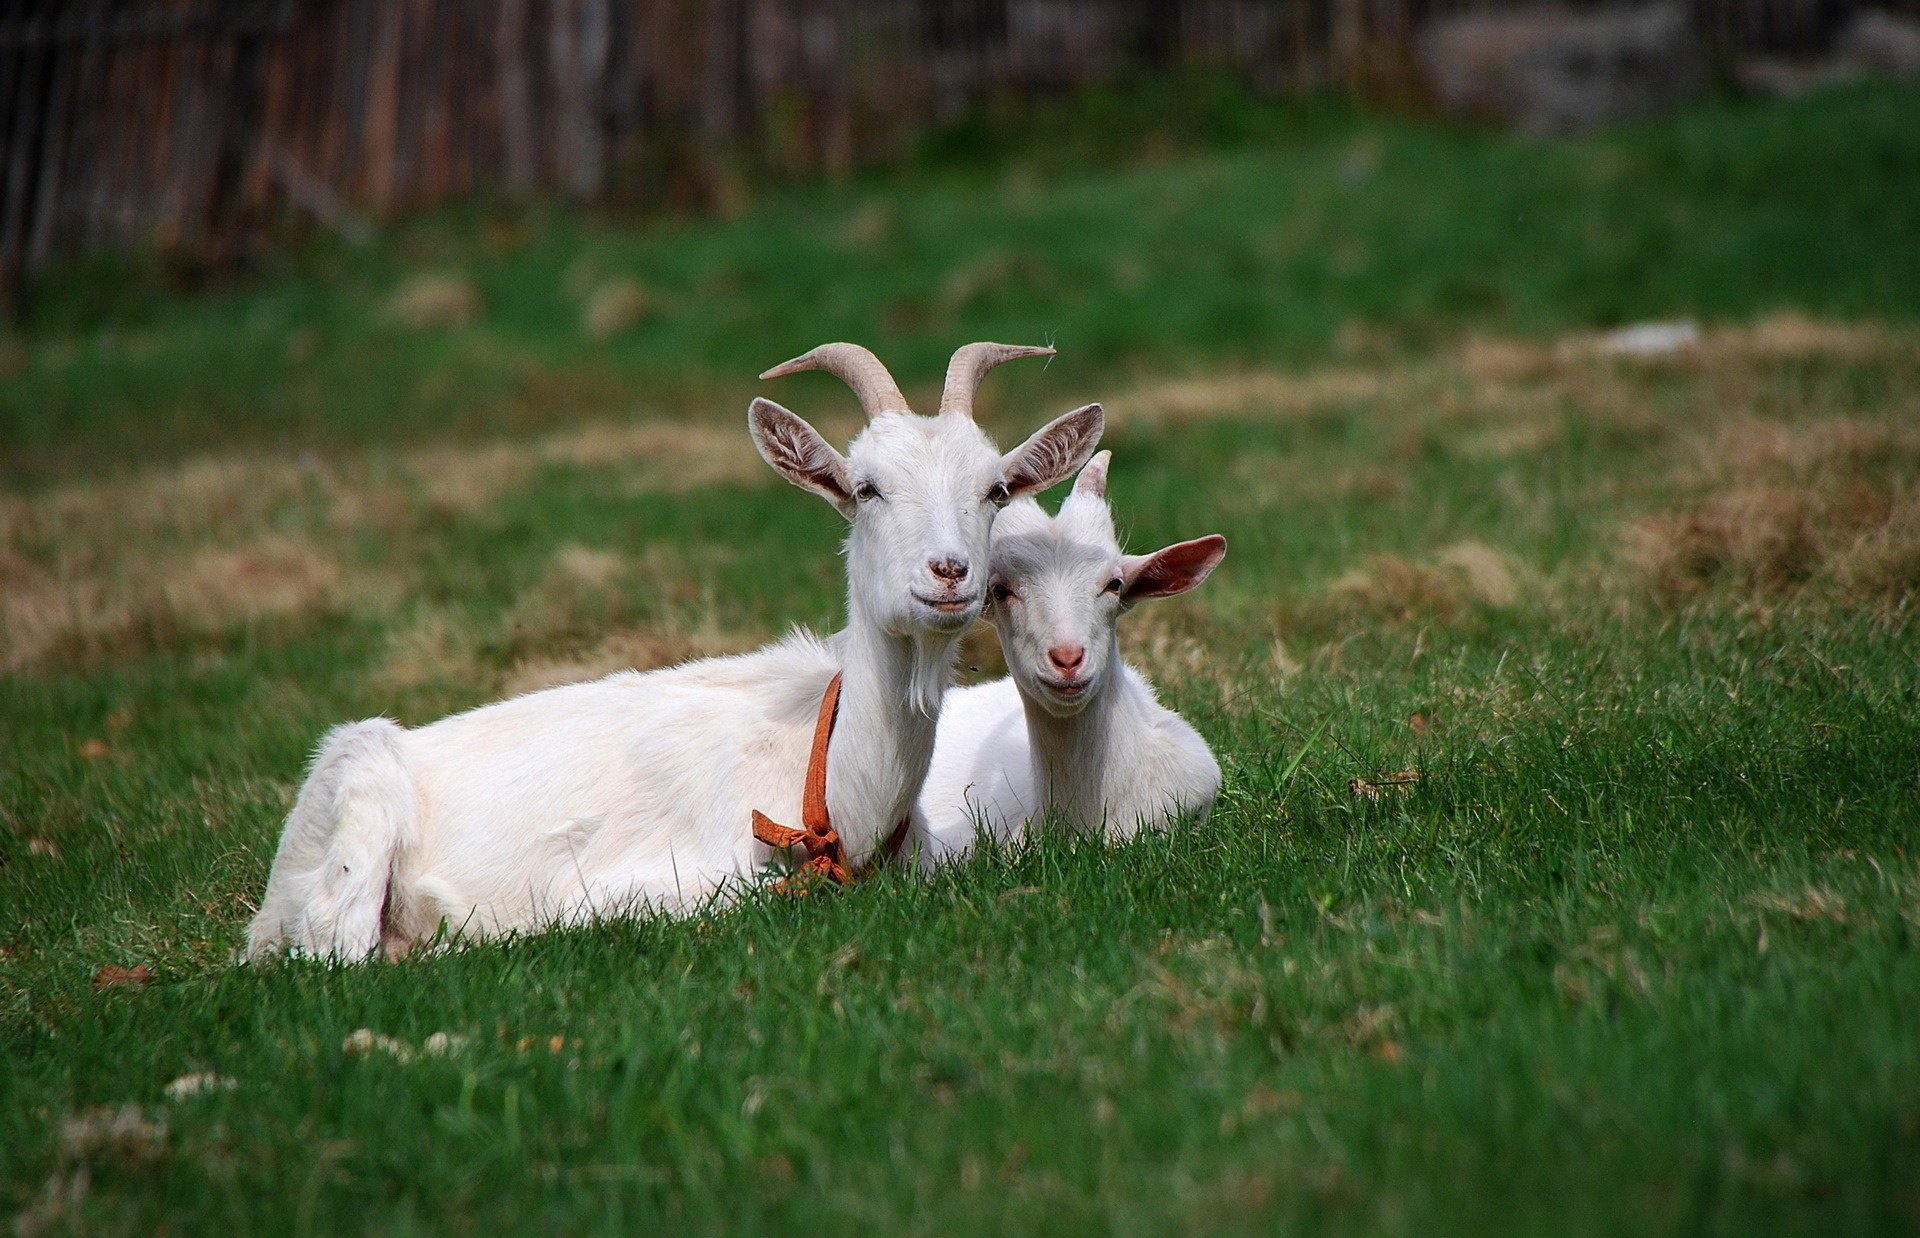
(426, 301)
(1465, 576)
(1794, 335)
(650, 456)
(115, 567)
(1181, 644)
(1247, 393)
(433, 648)
(1826, 510)
(1784, 336)
(1504, 387)
(615, 306)
(45, 616)
(591, 612)
(641, 649)
(1811, 905)
(584, 589)
(118, 566)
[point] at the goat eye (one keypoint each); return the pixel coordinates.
(864, 491)
(998, 494)
(1000, 593)
(1114, 585)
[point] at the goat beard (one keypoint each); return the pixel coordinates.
(934, 658)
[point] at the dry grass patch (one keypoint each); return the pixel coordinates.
(119, 566)
(584, 590)
(615, 306)
(1173, 646)
(1827, 509)
(584, 594)
(435, 301)
(1205, 397)
(1465, 576)
(434, 648)
(645, 648)
(148, 604)
(1811, 905)
(667, 456)
(661, 457)
(1793, 335)
(1778, 337)
(1504, 385)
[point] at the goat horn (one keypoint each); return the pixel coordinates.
(970, 365)
(858, 369)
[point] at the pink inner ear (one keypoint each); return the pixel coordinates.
(1055, 450)
(1177, 568)
(795, 449)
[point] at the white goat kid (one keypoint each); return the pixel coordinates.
(635, 792)
(1073, 731)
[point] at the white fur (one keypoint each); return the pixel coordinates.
(1109, 759)
(636, 791)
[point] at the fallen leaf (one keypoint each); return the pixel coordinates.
(1420, 723)
(42, 846)
(111, 975)
(93, 749)
(1371, 788)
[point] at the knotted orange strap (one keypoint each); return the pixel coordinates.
(826, 856)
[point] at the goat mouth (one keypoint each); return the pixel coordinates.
(1066, 687)
(946, 606)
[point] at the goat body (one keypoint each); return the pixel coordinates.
(1001, 762)
(636, 792)
(628, 793)
(1074, 731)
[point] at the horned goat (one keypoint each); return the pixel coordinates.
(634, 792)
(1073, 731)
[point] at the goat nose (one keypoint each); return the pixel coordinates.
(952, 570)
(1067, 658)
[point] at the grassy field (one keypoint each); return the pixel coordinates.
(1617, 931)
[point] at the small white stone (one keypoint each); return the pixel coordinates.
(200, 1084)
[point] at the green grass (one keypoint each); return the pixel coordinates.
(1639, 950)
(1291, 230)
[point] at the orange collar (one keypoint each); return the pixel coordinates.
(826, 855)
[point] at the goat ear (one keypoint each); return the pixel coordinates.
(1055, 451)
(798, 453)
(1171, 571)
(1092, 481)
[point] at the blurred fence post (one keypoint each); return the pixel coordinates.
(195, 122)
(516, 104)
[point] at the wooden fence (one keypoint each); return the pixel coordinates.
(205, 123)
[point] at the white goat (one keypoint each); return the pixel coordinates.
(635, 792)
(1073, 731)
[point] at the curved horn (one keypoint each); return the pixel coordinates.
(858, 369)
(970, 365)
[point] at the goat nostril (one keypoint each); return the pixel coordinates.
(1067, 658)
(948, 569)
